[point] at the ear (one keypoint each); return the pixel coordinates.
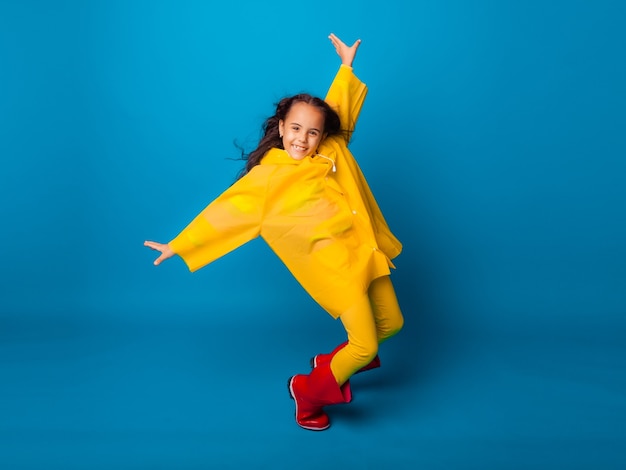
(281, 128)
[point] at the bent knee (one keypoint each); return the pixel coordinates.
(397, 325)
(363, 353)
(391, 327)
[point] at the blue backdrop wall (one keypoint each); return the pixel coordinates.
(493, 137)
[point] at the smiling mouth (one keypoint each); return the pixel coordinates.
(298, 148)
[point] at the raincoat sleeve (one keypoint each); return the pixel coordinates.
(346, 96)
(228, 222)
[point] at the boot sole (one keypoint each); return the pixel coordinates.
(292, 396)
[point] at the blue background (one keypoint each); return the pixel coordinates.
(493, 137)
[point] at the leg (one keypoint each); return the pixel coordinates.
(362, 345)
(387, 314)
(387, 317)
(328, 383)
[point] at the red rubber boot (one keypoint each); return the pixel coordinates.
(320, 359)
(314, 391)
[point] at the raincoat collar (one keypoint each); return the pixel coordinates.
(276, 156)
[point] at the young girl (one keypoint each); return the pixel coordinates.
(303, 192)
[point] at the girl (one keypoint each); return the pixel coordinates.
(303, 192)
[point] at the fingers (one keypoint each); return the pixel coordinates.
(339, 43)
(157, 247)
(164, 248)
(346, 53)
(153, 245)
(336, 41)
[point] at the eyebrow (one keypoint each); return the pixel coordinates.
(298, 124)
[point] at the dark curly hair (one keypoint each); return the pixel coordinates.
(271, 137)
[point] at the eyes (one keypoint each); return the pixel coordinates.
(312, 132)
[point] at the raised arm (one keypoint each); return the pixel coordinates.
(347, 93)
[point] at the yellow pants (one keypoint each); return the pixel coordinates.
(372, 320)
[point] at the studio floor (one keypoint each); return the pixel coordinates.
(115, 395)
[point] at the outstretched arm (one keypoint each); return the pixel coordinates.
(346, 53)
(229, 221)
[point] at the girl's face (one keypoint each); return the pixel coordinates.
(302, 130)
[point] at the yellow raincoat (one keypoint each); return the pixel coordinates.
(317, 214)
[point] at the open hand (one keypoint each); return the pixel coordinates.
(346, 53)
(164, 248)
